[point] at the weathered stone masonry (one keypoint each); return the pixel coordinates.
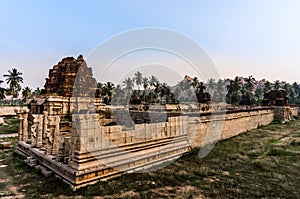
(89, 152)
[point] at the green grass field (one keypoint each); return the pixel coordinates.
(11, 126)
(262, 163)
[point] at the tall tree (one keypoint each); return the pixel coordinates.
(211, 84)
(195, 82)
(277, 85)
(258, 95)
(153, 81)
(234, 95)
(37, 91)
(250, 83)
(14, 79)
(118, 95)
(145, 82)
(128, 84)
(218, 94)
(2, 91)
(138, 78)
(108, 91)
(268, 86)
(26, 92)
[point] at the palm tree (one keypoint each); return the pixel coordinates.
(211, 84)
(99, 90)
(277, 85)
(108, 91)
(128, 84)
(138, 78)
(118, 95)
(219, 92)
(37, 91)
(13, 79)
(233, 96)
(26, 92)
(153, 81)
(258, 95)
(2, 91)
(268, 86)
(201, 87)
(145, 85)
(250, 82)
(195, 82)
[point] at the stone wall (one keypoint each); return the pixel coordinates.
(8, 110)
(90, 152)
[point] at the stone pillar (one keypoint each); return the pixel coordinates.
(22, 114)
(25, 125)
(39, 140)
(33, 131)
(45, 127)
(21, 121)
(53, 134)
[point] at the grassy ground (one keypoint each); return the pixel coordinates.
(11, 126)
(263, 163)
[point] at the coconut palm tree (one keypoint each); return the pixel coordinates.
(128, 84)
(138, 78)
(153, 81)
(118, 95)
(2, 91)
(108, 91)
(277, 85)
(211, 84)
(268, 86)
(99, 90)
(14, 79)
(26, 92)
(200, 87)
(234, 95)
(37, 91)
(145, 82)
(195, 82)
(250, 83)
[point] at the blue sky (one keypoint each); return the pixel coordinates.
(259, 37)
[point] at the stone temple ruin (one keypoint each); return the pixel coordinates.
(69, 133)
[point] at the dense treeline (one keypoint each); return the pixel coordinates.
(141, 89)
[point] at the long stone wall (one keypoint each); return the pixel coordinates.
(91, 152)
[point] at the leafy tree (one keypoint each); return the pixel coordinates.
(153, 81)
(26, 92)
(195, 82)
(268, 86)
(250, 83)
(118, 95)
(258, 96)
(218, 94)
(211, 84)
(128, 84)
(234, 94)
(99, 90)
(200, 87)
(13, 79)
(138, 78)
(2, 91)
(145, 82)
(277, 85)
(37, 91)
(108, 91)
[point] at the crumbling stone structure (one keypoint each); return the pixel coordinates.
(63, 76)
(276, 98)
(82, 141)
